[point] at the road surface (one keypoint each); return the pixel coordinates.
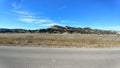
(32, 57)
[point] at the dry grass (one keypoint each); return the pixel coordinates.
(60, 40)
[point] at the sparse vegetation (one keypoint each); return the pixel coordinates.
(60, 40)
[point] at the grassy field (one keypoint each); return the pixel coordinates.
(60, 40)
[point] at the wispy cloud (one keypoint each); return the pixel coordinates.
(20, 12)
(50, 24)
(27, 17)
(15, 5)
(62, 7)
(62, 21)
(36, 20)
(115, 27)
(70, 21)
(108, 27)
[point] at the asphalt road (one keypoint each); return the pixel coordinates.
(32, 57)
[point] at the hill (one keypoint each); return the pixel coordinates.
(60, 29)
(69, 29)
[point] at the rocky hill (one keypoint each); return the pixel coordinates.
(60, 29)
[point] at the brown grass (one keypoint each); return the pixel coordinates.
(60, 40)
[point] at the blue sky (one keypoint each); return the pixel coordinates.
(35, 14)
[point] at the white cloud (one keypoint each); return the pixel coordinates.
(109, 27)
(20, 12)
(62, 7)
(117, 27)
(27, 17)
(15, 5)
(50, 24)
(70, 21)
(28, 20)
(30, 17)
(114, 28)
(62, 21)
(35, 20)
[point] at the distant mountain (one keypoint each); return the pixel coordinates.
(4, 30)
(60, 29)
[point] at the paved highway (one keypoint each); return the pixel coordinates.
(36, 57)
